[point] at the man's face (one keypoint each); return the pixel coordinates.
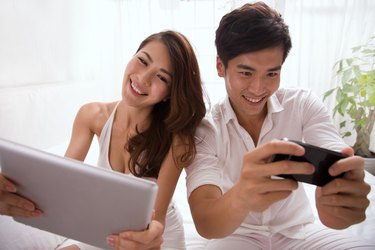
(250, 79)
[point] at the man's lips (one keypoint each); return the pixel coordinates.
(254, 100)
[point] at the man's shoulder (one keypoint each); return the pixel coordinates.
(213, 120)
(292, 92)
(217, 114)
(293, 95)
(207, 124)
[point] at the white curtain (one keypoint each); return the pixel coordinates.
(54, 56)
(322, 31)
(53, 41)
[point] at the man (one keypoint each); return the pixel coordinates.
(234, 195)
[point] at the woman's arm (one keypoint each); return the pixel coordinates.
(87, 123)
(167, 181)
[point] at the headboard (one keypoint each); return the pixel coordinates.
(42, 115)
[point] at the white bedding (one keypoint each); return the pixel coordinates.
(14, 236)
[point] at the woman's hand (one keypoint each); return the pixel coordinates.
(152, 238)
(12, 204)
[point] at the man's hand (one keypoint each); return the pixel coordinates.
(257, 189)
(343, 202)
(152, 238)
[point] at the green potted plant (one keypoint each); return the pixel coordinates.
(355, 96)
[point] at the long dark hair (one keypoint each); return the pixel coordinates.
(178, 116)
(251, 28)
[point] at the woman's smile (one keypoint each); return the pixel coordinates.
(136, 89)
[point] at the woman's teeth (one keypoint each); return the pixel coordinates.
(136, 89)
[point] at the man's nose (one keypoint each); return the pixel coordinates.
(256, 85)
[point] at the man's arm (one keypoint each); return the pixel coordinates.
(216, 215)
(211, 212)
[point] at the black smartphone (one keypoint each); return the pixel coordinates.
(321, 158)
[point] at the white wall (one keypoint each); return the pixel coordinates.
(54, 57)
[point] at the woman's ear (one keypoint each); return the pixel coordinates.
(220, 67)
(167, 98)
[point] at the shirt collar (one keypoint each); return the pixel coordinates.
(273, 105)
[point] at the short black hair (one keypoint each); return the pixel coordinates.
(251, 28)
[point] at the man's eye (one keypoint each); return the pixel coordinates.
(246, 73)
(273, 74)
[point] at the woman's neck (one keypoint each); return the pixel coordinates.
(129, 118)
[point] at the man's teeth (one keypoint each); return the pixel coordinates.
(253, 100)
(137, 90)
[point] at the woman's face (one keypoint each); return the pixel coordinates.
(148, 76)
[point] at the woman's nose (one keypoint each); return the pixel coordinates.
(145, 78)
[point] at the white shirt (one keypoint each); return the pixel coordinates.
(222, 143)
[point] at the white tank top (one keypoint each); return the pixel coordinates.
(174, 237)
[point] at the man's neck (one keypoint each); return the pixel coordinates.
(253, 124)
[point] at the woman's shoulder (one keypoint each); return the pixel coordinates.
(98, 108)
(95, 114)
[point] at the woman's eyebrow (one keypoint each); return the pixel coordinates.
(166, 71)
(161, 69)
(147, 55)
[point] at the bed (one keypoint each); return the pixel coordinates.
(40, 116)
(15, 236)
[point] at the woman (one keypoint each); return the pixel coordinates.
(148, 133)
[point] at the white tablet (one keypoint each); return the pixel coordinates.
(79, 201)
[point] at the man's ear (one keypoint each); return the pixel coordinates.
(220, 67)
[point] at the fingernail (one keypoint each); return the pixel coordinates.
(11, 189)
(29, 206)
(36, 213)
(331, 171)
(124, 235)
(110, 241)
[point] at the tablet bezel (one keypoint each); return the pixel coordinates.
(79, 201)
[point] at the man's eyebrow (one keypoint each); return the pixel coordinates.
(243, 66)
(277, 68)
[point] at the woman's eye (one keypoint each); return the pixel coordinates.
(162, 78)
(142, 61)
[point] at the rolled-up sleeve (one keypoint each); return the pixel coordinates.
(205, 169)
